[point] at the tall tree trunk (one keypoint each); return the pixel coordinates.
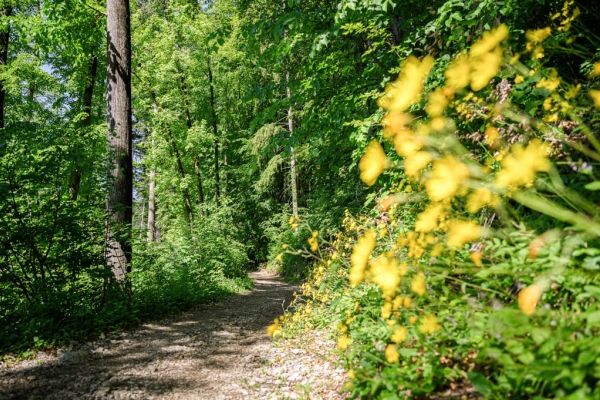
(86, 107)
(118, 119)
(293, 177)
(4, 38)
(188, 121)
(214, 126)
(151, 207)
(186, 194)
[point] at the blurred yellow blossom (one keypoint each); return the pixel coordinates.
(386, 274)
(401, 93)
(399, 335)
(372, 163)
(484, 68)
(462, 232)
(529, 297)
(519, 79)
(596, 71)
(491, 135)
(551, 83)
(360, 254)
(459, 72)
(274, 329)
(351, 374)
(414, 163)
(520, 167)
(279, 257)
(418, 284)
(489, 41)
(428, 220)
(476, 258)
(284, 246)
(394, 123)
(446, 176)
(412, 319)
(595, 95)
(480, 198)
(391, 354)
(538, 35)
(429, 324)
(343, 342)
(386, 310)
(437, 103)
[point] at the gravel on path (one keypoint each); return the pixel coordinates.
(218, 351)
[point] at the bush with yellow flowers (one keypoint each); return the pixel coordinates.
(478, 271)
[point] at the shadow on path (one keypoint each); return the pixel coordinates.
(200, 354)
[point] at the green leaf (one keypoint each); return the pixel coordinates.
(593, 186)
(481, 383)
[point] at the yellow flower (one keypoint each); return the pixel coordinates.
(446, 176)
(343, 342)
(386, 310)
(519, 168)
(279, 257)
(400, 94)
(291, 220)
(429, 324)
(399, 335)
(595, 95)
(406, 144)
(397, 302)
(491, 135)
(386, 274)
(437, 103)
(489, 41)
(274, 329)
(519, 79)
(395, 123)
(360, 254)
(550, 83)
(480, 198)
(484, 68)
(596, 71)
(406, 302)
(284, 246)
(414, 163)
(314, 245)
(538, 35)
(294, 226)
(573, 91)
(351, 374)
(462, 232)
(412, 319)
(437, 250)
(458, 73)
(372, 163)
(418, 284)
(428, 220)
(529, 297)
(476, 258)
(391, 354)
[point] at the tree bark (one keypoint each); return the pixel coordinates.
(188, 121)
(151, 208)
(119, 137)
(292, 158)
(4, 39)
(86, 107)
(214, 126)
(186, 194)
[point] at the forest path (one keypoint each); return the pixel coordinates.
(218, 351)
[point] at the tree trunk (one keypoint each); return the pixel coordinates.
(86, 107)
(151, 208)
(118, 119)
(188, 121)
(4, 38)
(292, 159)
(186, 194)
(214, 126)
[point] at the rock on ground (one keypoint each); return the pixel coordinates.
(218, 351)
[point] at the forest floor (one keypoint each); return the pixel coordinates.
(217, 351)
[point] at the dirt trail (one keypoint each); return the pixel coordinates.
(218, 351)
